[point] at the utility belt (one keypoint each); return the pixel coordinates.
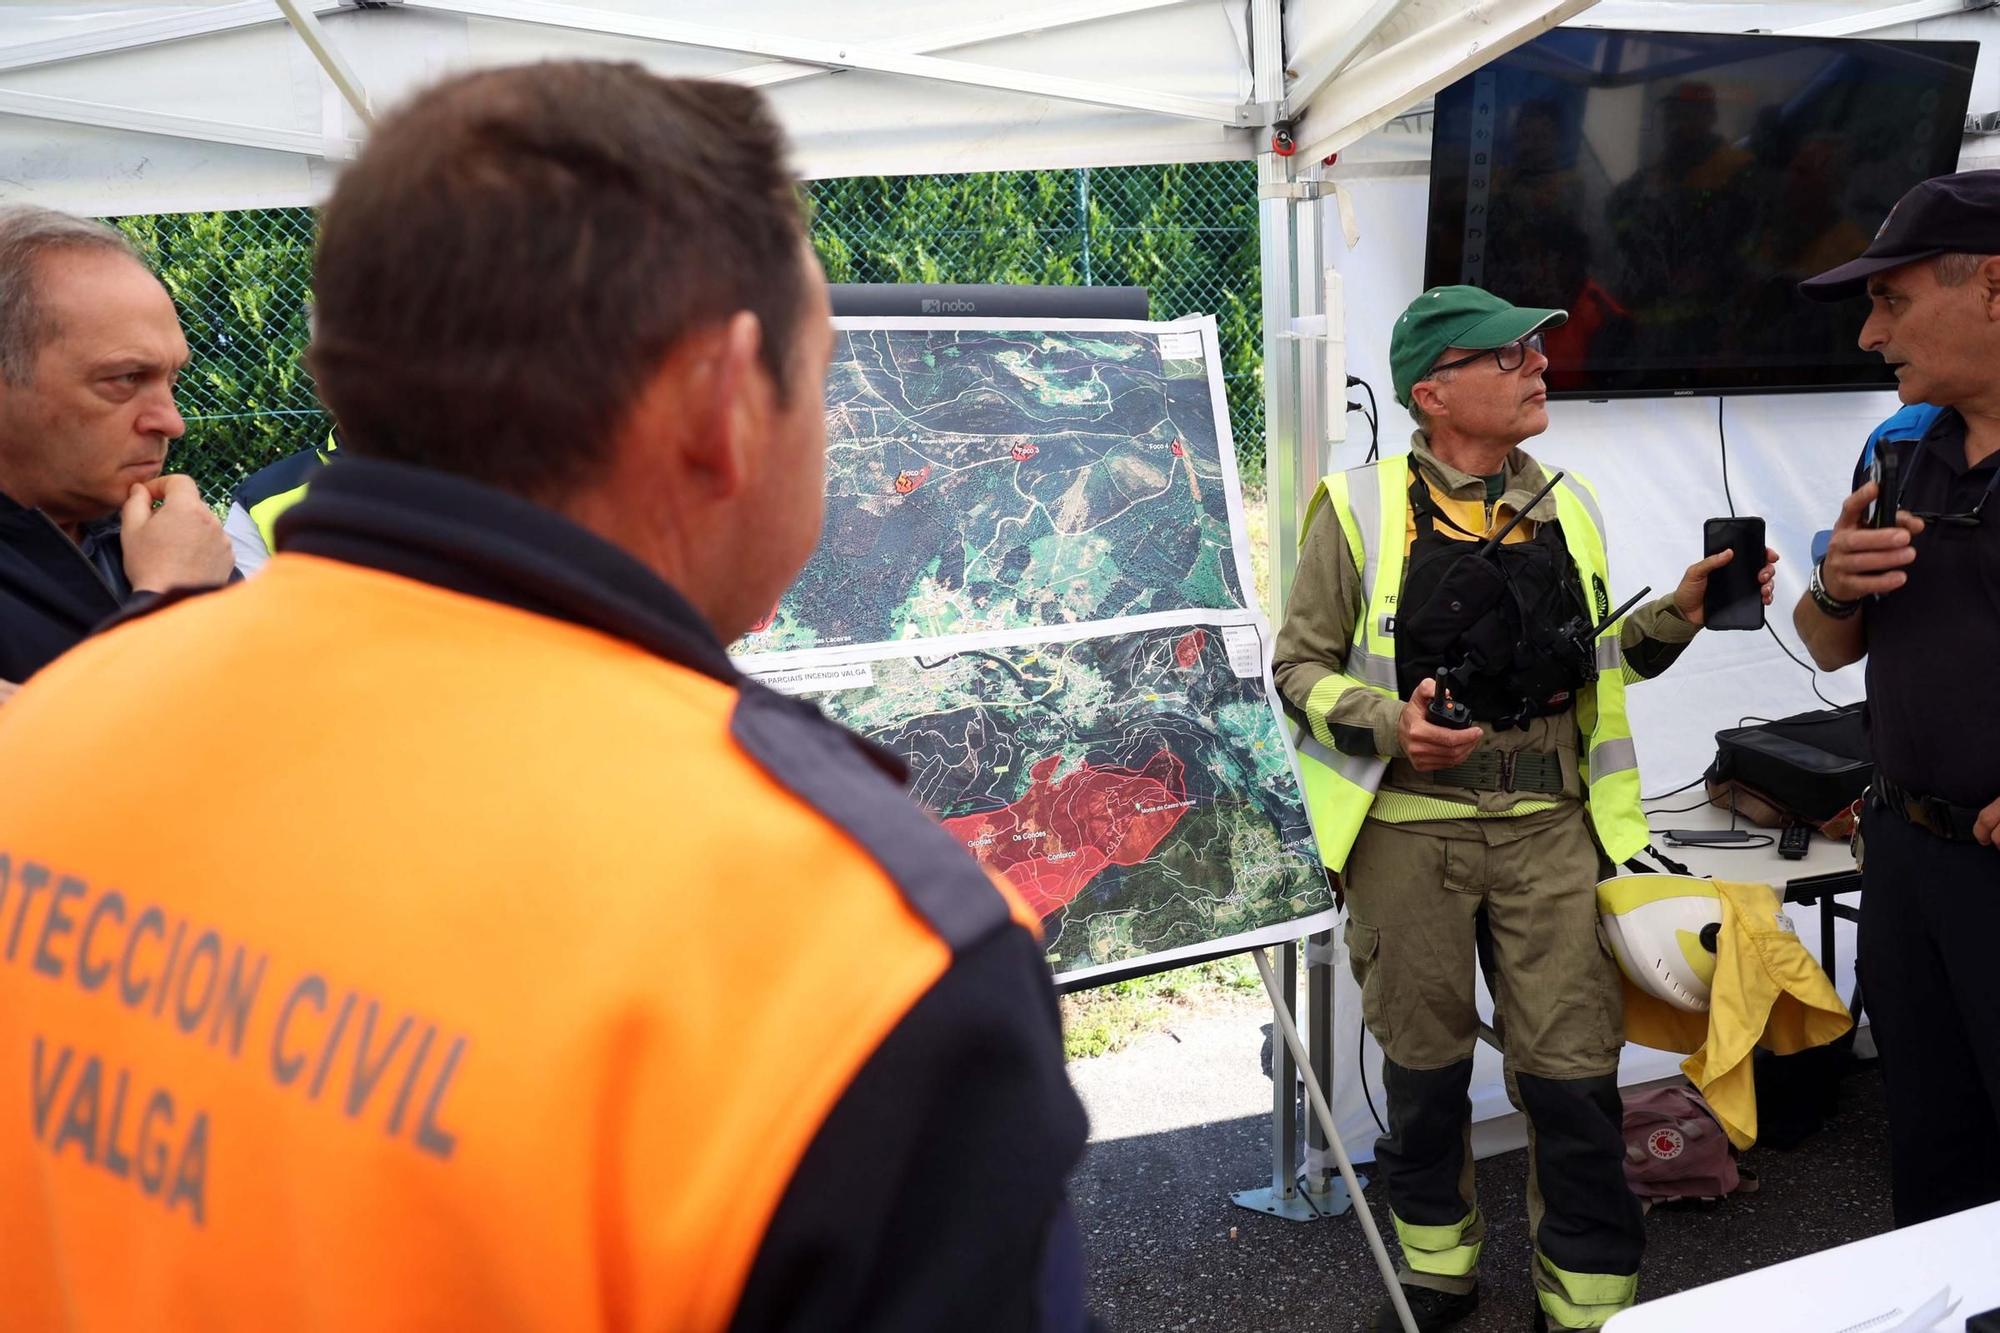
(1935, 816)
(1506, 770)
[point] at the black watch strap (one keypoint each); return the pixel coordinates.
(1824, 600)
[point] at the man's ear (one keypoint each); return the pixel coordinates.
(1425, 396)
(720, 401)
(739, 405)
(1988, 278)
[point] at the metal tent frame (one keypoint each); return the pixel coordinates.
(97, 115)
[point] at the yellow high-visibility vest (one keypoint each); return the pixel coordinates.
(1341, 790)
(270, 491)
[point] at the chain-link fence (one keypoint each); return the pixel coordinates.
(1187, 233)
(241, 281)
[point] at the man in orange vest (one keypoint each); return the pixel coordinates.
(548, 974)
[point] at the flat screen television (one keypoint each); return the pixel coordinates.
(1671, 189)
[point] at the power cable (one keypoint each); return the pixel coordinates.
(1361, 1063)
(1812, 674)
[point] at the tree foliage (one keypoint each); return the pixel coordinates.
(1187, 233)
(241, 281)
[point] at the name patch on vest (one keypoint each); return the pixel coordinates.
(363, 1060)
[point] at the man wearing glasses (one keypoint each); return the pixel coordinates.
(1482, 831)
(1920, 599)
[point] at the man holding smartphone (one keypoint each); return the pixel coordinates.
(1485, 832)
(1911, 581)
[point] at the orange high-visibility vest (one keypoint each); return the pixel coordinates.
(506, 994)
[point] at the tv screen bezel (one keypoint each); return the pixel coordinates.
(1742, 380)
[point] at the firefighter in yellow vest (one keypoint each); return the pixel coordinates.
(1476, 822)
(549, 975)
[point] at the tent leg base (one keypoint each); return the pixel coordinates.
(1298, 1205)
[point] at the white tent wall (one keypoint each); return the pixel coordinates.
(1656, 464)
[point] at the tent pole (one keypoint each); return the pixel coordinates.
(1278, 236)
(306, 23)
(1383, 1263)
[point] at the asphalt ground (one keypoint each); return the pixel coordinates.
(1182, 1118)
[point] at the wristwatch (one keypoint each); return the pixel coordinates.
(1824, 600)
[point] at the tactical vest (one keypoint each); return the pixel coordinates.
(1341, 789)
(1508, 625)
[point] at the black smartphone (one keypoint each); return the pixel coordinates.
(1734, 599)
(1886, 473)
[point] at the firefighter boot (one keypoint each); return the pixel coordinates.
(1432, 1309)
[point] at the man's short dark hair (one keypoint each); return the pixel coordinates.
(514, 252)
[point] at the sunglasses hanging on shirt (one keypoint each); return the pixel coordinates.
(1970, 518)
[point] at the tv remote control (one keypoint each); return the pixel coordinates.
(1792, 842)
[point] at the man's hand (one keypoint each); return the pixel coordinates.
(171, 539)
(1861, 560)
(1688, 598)
(1426, 745)
(1983, 828)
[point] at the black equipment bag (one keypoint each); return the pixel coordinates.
(1811, 765)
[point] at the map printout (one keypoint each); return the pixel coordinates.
(1032, 587)
(989, 479)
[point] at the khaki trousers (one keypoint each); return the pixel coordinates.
(1427, 904)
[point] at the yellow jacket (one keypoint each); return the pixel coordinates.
(1768, 991)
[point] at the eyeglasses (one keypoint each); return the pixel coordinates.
(1509, 358)
(1968, 519)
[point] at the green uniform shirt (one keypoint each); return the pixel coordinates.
(1326, 604)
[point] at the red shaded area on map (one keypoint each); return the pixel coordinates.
(1187, 648)
(1064, 830)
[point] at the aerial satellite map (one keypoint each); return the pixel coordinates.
(1032, 586)
(990, 480)
(1133, 788)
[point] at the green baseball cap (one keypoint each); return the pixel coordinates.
(1465, 317)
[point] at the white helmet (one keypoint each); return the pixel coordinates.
(1656, 925)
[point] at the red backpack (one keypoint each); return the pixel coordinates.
(1675, 1148)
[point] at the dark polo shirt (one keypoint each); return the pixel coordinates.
(53, 591)
(1934, 643)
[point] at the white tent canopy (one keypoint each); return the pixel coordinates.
(164, 105)
(157, 107)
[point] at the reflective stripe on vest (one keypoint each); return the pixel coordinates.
(270, 491)
(1610, 759)
(265, 513)
(1336, 785)
(1340, 789)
